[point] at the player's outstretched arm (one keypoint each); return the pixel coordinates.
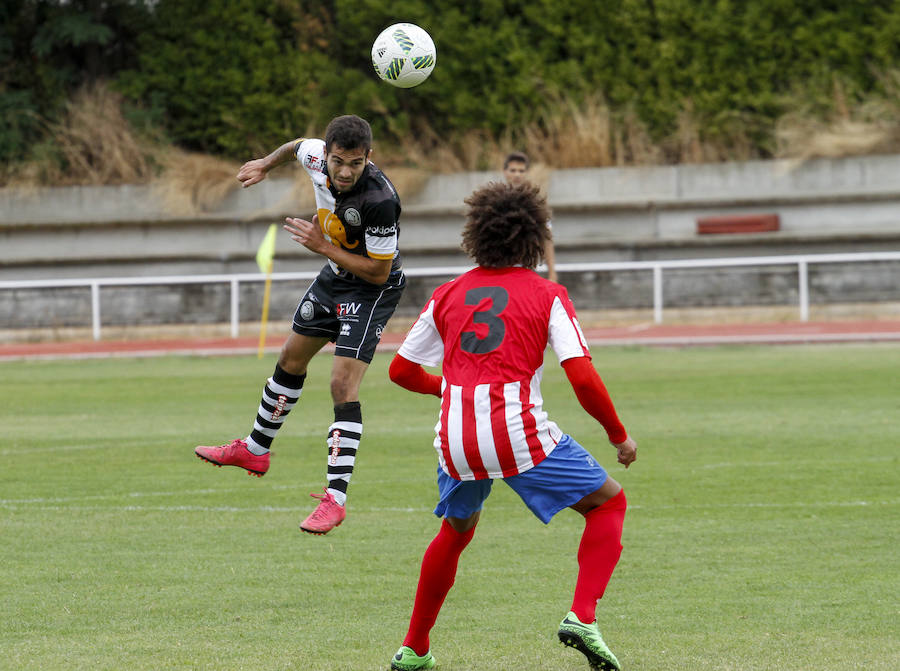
(594, 398)
(255, 171)
(413, 377)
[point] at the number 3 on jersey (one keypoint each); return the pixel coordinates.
(469, 340)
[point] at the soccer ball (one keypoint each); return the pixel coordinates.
(403, 55)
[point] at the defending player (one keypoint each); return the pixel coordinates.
(490, 328)
(356, 228)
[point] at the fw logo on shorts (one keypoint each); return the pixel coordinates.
(344, 309)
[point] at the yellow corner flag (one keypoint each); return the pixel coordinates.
(266, 251)
(264, 258)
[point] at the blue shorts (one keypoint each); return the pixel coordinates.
(564, 478)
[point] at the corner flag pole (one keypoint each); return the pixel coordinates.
(264, 259)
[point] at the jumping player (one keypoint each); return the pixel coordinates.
(356, 228)
(490, 328)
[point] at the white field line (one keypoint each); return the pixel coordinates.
(30, 505)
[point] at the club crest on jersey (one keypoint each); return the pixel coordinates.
(351, 217)
(333, 228)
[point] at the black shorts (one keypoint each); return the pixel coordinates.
(349, 312)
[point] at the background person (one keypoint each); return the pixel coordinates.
(515, 171)
(490, 328)
(356, 228)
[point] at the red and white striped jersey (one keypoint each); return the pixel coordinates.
(490, 328)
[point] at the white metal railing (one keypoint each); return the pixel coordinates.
(802, 261)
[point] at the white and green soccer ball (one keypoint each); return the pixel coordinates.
(404, 55)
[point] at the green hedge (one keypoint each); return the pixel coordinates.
(50, 47)
(237, 77)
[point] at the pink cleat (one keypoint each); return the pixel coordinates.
(327, 515)
(235, 454)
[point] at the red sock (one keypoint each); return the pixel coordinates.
(435, 580)
(601, 545)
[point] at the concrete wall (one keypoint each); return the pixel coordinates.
(609, 214)
(599, 215)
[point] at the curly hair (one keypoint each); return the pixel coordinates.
(506, 225)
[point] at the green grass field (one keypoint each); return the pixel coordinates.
(762, 531)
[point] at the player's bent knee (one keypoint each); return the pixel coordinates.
(462, 526)
(608, 491)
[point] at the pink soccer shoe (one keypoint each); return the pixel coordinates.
(327, 515)
(235, 454)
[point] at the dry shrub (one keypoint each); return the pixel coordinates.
(574, 135)
(97, 144)
(580, 135)
(693, 142)
(93, 143)
(194, 183)
(635, 146)
(589, 134)
(803, 138)
(869, 127)
(688, 145)
(424, 148)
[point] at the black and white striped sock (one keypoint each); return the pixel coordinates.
(281, 392)
(343, 441)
